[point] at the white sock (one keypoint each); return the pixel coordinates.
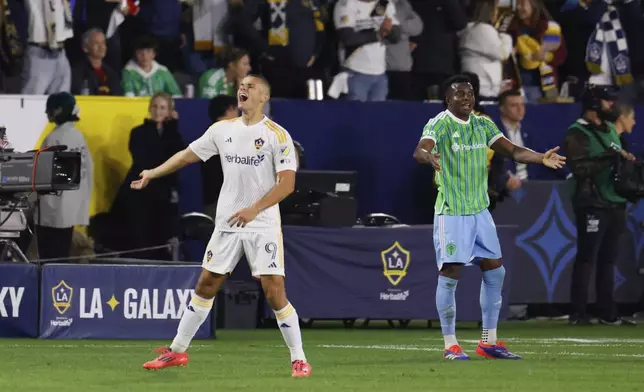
(289, 324)
(450, 340)
(194, 315)
(488, 336)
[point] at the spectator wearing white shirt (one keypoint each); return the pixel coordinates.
(46, 69)
(483, 49)
(363, 28)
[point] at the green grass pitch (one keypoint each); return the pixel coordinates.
(557, 358)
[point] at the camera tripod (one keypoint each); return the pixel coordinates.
(14, 222)
(11, 252)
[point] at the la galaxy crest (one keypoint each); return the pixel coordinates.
(61, 295)
(259, 143)
(395, 261)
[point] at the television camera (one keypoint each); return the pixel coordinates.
(46, 171)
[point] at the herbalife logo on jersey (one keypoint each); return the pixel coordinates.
(247, 160)
(465, 147)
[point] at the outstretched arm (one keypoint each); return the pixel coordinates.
(177, 161)
(525, 155)
(517, 153)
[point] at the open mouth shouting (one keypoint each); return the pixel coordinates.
(242, 97)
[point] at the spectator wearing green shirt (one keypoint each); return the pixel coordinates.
(144, 77)
(223, 81)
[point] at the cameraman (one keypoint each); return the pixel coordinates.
(600, 212)
(57, 215)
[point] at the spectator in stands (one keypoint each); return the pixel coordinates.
(161, 19)
(483, 49)
(13, 40)
(220, 108)
(540, 50)
(291, 39)
(92, 76)
(625, 123)
(512, 108)
(363, 27)
(46, 69)
(605, 42)
(224, 81)
(399, 60)
(56, 215)
(153, 215)
(107, 16)
(435, 57)
(143, 76)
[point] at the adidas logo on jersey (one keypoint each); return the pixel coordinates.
(229, 140)
(284, 325)
(249, 160)
(456, 134)
(272, 265)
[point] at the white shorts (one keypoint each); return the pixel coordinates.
(264, 252)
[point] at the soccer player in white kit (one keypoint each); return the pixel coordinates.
(259, 164)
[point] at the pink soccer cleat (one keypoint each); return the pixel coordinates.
(167, 359)
(301, 369)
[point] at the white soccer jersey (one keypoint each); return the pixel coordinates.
(251, 157)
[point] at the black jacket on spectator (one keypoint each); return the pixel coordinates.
(305, 37)
(212, 178)
(497, 179)
(437, 45)
(150, 216)
(83, 72)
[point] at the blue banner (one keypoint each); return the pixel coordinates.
(375, 273)
(18, 300)
(116, 301)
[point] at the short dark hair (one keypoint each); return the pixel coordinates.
(625, 108)
(508, 93)
(264, 81)
(232, 55)
(219, 105)
(145, 42)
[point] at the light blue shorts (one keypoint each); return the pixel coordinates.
(465, 239)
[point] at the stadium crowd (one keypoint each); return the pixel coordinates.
(364, 49)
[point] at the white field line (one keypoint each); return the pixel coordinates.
(421, 348)
(556, 340)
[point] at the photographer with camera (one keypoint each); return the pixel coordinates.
(56, 215)
(592, 144)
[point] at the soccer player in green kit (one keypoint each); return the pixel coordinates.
(455, 143)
